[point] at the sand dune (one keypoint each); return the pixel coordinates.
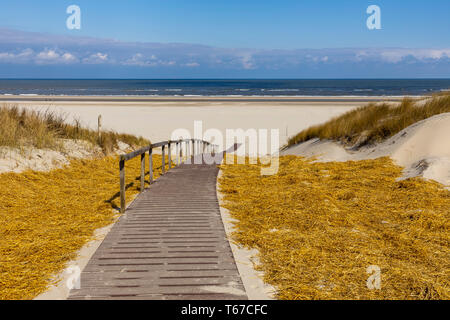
(29, 158)
(423, 149)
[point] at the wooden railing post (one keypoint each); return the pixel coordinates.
(122, 185)
(142, 172)
(178, 152)
(170, 155)
(150, 164)
(163, 159)
(181, 151)
(186, 146)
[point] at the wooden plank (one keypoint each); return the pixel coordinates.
(169, 153)
(142, 172)
(150, 282)
(158, 274)
(160, 144)
(134, 154)
(155, 267)
(150, 164)
(205, 289)
(163, 159)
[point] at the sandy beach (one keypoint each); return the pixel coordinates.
(155, 118)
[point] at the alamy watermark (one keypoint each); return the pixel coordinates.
(374, 20)
(258, 145)
(73, 22)
(374, 281)
(73, 281)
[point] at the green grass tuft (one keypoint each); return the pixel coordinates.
(44, 130)
(374, 122)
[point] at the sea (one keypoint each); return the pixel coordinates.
(225, 88)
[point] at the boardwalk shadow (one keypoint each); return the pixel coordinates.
(117, 195)
(127, 187)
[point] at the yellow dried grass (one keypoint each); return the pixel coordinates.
(318, 226)
(46, 217)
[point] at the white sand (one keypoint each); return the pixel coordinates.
(157, 120)
(423, 149)
(28, 158)
(15, 160)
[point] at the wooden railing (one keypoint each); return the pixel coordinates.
(193, 147)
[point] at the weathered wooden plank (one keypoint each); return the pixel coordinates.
(158, 274)
(169, 152)
(151, 282)
(134, 154)
(122, 186)
(156, 255)
(164, 159)
(160, 144)
(150, 164)
(142, 172)
(163, 290)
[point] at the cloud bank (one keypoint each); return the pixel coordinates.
(27, 54)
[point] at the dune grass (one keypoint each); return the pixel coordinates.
(319, 226)
(374, 122)
(45, 217)
(44, 130)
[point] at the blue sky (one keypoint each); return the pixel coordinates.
(246, 38)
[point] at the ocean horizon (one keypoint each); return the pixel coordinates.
(223, 87)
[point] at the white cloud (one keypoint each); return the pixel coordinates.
(51, 56)
(247, 61)
(168, 63)
(192, 64)
(397, 55)
(68, 57)
(48, 55)
(140, 60)
(21, 57)
(96, 58)
(43, 49)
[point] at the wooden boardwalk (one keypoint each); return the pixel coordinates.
(170, 244)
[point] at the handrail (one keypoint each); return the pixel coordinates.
(142, 152)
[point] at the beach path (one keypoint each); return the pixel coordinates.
(169, 244)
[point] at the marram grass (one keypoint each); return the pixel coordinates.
(46, 217)
(374, 122)
(319, 226)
